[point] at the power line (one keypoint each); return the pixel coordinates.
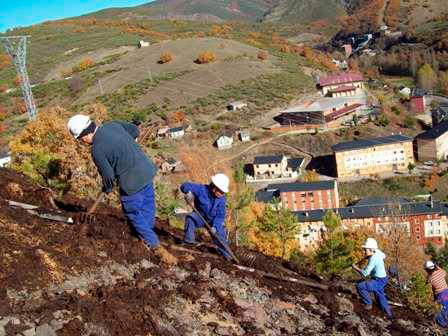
(15, 46)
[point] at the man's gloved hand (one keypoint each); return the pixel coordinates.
(213, 230)
(189, 198)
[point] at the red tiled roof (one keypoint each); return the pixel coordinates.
(347, 77)
(343, 88)
(341, 112)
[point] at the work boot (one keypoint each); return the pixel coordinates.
(194, 244)
(165, 256)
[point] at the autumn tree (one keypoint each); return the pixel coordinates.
(206, 57)
(426, 77)
(5, 61)
(166, 57)
(311, 176)
(84, 65)
(262, 55)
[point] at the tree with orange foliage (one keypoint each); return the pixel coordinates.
(85, 64)
(285, 48)
(353, 65)
(17, 80)
(5, 61)
(177, 117)
(206, 57)
(166, 57)
(262, 55)
(431, 181)
(3, 88)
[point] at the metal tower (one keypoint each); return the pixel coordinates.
(16, 48)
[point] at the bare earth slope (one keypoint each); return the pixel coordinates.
(235, 62)
(98, 279)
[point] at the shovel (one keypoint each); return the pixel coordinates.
(214, 235)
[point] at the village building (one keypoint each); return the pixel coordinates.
(143, 44)
(173, 133)
(425, 222)
(372, 156)
(348, 84)
(324, 112)
(275, 168)
(244, 136)
(171, 165)
(433, 144)
(225, 141)
(418, 100)
(301, 196)
(5, 159)
(237, 105)
(439, 114)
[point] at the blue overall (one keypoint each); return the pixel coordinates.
(442, 316)
(139, 208)
(211, 208)
(376, 286)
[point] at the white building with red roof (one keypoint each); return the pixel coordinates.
(342, 85)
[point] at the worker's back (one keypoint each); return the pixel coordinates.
(116, 152)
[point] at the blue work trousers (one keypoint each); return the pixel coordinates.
(139, 208)
(442, 316)
(193, 222)
(375, 286)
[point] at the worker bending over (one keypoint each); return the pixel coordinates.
(436, 277)
(375, 268)
(120, 159)
(210, 201)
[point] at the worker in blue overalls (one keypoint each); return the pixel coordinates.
(210, 201)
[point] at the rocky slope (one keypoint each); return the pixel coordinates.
(98, 279)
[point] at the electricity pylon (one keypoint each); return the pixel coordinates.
(15, 46)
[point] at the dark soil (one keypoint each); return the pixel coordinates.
(36, 254)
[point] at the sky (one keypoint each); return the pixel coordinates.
(28, 12)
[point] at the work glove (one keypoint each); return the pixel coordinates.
(213, 230)
(189, 198)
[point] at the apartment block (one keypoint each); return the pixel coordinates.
(433, 144)
(372, 156)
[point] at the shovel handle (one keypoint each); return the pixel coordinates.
(99, 198)
(209, 229)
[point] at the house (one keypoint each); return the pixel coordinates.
(175, 133)
(439, 114)
(418, 100)
(372, 156)
(348, 50)
(433, 144)
(302, 196)
(225, 141)
(237, 105)
(169, 165)
(275, 168)
(5, 157)
(405, 92)
(335, 83)
(341, 65)
(323, 112)
(424, 221)
(244, 136)
(143, 44)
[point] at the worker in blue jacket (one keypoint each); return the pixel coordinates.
(210, 201)
(376, 270)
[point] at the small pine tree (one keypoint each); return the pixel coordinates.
(334, 254)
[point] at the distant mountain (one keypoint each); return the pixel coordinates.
(302, 11)
(211, 10)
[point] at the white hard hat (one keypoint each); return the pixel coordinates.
(429, 265)
(370, 244)
(77, 124)
(221, 181)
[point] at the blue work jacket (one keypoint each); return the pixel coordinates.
(211, 208)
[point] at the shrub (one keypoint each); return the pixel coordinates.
(166, 57)
(206, 57)
(262, 55)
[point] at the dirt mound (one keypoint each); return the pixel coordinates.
(99, 279)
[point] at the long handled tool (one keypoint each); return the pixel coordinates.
(214, 235)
